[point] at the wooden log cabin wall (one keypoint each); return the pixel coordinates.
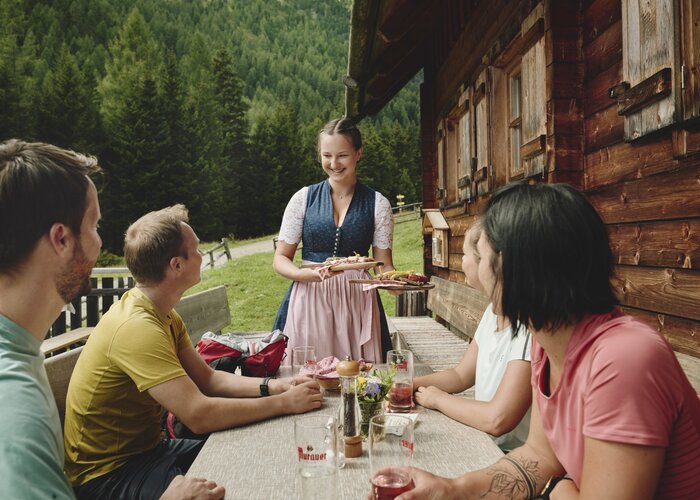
(603, 94)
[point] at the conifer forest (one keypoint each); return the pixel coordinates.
(212, 103)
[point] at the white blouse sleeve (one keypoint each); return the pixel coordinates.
(383, 223)
(293, 219)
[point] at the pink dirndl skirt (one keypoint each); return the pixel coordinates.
(336, 317)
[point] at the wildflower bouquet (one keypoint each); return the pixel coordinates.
(371, 393)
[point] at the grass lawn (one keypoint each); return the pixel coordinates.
(255, 290)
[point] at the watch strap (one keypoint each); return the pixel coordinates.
(264, 387)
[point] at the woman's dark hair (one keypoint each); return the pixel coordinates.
(556, 258)
(343, 126)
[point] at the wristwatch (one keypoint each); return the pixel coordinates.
(264, 388)
(549, 487)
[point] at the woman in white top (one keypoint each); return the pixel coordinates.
(337, 217)
(497, 364)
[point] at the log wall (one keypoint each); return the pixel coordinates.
(646, 190)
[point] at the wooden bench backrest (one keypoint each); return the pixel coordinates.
(460, 305)
(205, 311)
(59, 369)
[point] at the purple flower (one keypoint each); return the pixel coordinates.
(374, 388)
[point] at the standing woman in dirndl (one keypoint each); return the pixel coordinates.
(336, 217)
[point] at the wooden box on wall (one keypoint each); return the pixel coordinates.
(435, 225)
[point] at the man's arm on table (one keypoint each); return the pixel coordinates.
(520, 474)
(216, 404)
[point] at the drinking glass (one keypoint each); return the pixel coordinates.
(316, 440)
(304, 360)
(401, 392)
(390, 446)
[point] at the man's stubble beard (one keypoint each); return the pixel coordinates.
(74, 281)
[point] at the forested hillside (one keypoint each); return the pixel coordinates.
(212, 103)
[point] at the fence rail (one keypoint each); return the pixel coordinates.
(223, 246)
(406, 213)
(108, 285)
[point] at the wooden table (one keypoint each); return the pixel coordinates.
(258, 461)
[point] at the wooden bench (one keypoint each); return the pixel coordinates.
(202, 312)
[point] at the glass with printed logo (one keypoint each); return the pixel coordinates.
(315, 437)
(390, 446)
(304, 360)
(401, 392)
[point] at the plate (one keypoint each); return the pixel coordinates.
(356, 265)
(394, 285)
(349, 266)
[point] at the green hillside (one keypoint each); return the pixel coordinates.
(211, 103)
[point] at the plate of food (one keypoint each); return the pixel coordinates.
(398, 280)
(328, 378)
(348, 263)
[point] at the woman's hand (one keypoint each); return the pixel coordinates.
(428, 396)
(427, 486)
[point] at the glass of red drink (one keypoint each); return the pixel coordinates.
(390, 452)
(401, 392)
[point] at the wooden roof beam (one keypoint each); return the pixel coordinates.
(403, 15)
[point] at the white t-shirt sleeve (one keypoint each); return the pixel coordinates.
(293, 219)
(520, 346)
(383, 223)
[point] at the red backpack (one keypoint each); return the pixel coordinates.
(228, 352)
(255, 359)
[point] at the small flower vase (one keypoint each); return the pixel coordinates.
(368, 409)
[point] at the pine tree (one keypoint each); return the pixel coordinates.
(68, 113)
(233, 138)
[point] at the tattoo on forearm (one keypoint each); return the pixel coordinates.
(508, 483)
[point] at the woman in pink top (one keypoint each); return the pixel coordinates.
(613, 413)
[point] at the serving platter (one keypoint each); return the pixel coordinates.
(394, 285)
(349, 266)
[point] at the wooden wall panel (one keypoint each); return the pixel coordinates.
(604, 51)
(598, 17)
(669, 291)
(455, 245)
(457, 303)
(625, 161)
(675, 195)
(604, 128)
(597, 89)
(657, 244)
(682, 334)
(565, 116)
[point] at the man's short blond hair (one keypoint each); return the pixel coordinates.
(152, 241)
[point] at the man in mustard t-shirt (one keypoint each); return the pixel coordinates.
(140, 359)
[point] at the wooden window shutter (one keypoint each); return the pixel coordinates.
(646, 97)
(464, 180)
(481, 174)
(690, 58)
(440, 196)
(534, 101)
